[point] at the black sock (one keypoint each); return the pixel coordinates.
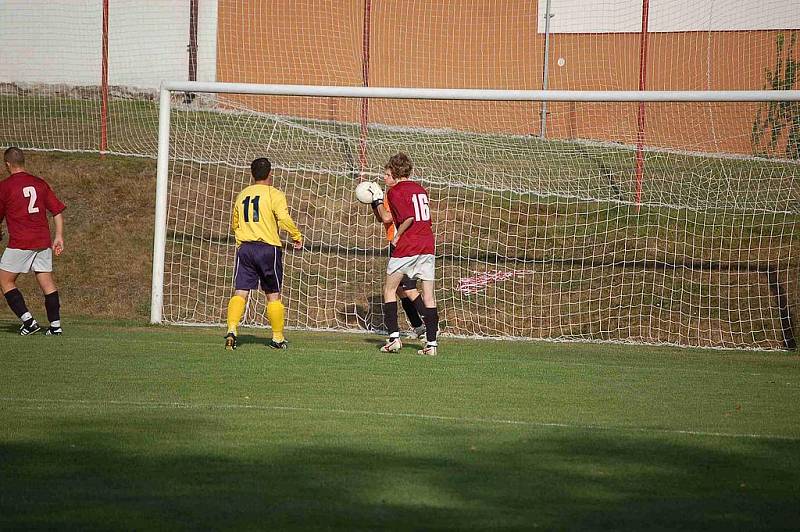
(16, 302)
(53, 307)
(431, 323)
(420, 306)
(411, 311)
(390, 317)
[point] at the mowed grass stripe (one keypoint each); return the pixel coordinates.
(538, 382)
(40, 403)
(216, 346)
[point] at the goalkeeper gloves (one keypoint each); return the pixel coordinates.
(377, 196)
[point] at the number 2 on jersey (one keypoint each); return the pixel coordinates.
(30, 192)
(246, 203)
(422, 212)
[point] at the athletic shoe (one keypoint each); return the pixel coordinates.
(278, 345)
(392, 345)
(31, 328)
(420, 331)
(230, 341)
(428, 350)
(53, 331)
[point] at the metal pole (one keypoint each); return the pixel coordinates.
(545, 79)
(104, 84)
(640, 115)
(160, 230)
(365, 44)
(192, 47)
(405, 93)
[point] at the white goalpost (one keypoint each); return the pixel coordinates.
(682, 239)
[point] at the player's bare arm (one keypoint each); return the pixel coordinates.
(58, 239)
(381, 213)
(402, 229)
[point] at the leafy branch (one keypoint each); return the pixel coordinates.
(778, 120)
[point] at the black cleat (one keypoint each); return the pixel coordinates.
(278, 345)
(30, 328)
(53, 331)
(230, 341)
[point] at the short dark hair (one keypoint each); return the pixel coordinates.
(14, 156)
(400, 165)
(260, 168)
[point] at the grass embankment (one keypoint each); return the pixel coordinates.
(105, 270)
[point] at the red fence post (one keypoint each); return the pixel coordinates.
(362, 146)
(640, 117)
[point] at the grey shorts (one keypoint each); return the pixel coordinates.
(27, 260)
(421, 267)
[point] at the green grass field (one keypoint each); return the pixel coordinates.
(121, 426)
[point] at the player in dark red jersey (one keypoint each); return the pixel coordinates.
(407, 291)
(413, 253)
(25, 201)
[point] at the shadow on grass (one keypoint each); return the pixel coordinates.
(10, 328)
(151, 473)
(249, 339)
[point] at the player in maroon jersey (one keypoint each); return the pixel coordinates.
(25, 201)
(410, 298)
(413, 253)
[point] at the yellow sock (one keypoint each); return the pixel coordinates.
(276, 314)
(235, 312)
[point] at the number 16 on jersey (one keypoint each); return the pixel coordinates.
(422, 212)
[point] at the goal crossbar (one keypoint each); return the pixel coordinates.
(483, 94)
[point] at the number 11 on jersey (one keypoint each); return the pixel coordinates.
(246, 202)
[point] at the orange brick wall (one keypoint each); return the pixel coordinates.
(479, 44)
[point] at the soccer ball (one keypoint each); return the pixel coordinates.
(368, 191)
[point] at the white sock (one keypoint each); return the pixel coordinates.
(55, 324)
(25, 317)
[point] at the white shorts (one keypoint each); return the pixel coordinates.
(421, 267)
(26, 260)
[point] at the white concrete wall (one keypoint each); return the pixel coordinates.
(60, 41)
(623, 16)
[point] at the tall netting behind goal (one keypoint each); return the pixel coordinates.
(535, 238)
(83, 75)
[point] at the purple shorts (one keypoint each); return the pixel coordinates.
(258, 263)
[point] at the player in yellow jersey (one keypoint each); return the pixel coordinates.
(259, 211)
(407, 291)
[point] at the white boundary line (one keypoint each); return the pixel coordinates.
(408, 415)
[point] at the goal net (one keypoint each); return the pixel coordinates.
(579, 239)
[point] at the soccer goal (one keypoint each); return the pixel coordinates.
(642, 217)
